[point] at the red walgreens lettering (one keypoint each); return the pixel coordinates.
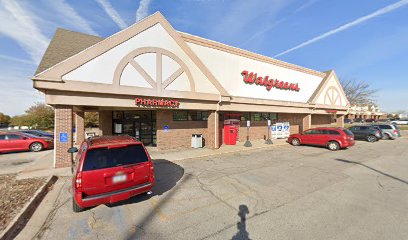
(251, 78)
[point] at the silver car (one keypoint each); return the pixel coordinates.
(389, 131)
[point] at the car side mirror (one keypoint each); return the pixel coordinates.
(73, 150)
(25, 138)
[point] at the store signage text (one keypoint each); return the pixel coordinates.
(252, 78)
(151, 102)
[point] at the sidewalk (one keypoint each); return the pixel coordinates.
(182, 154)
(44, 167)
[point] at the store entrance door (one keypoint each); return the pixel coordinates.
(138, 124)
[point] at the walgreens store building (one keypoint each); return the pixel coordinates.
(161, 86)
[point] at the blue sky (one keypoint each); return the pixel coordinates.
(365, 39)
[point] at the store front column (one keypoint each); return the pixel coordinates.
(63, 136)
(213, 140)
(340, 121)
(306, 123)
(105, 122)
(79, 127)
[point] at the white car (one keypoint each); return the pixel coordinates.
(400, 122)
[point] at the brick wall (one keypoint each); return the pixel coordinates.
(63, 124)
(105, 122)
(322, 120)
(79, 127)
(179, 133)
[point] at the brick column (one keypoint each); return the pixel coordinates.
(213, 127)
(340, 121)
(63, 127)
(79, 127)
(306, 123)
(105, 122)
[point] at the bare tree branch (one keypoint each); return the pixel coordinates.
(359, 92)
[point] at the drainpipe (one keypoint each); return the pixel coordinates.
(217, 121)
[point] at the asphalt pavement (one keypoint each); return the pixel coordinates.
(283, 192)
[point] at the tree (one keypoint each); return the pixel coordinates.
(358, 92)
(39, 115)
(91, 119)
(4, 119)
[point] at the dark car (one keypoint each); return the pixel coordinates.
(370, 120)
(39, 133)
(348, 121)
(366, 132)
(332, 138)
(109, 169)
(359, 120)
(18, 141)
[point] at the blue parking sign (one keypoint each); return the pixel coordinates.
(63, 137)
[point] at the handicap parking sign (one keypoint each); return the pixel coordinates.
(63, 137)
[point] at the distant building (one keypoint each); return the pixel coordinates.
(365, 112)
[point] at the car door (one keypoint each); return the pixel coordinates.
(16, 142)
(356, 131)
(307, 136)
(3, 143)
(322, 137)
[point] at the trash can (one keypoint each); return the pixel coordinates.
(197, 141)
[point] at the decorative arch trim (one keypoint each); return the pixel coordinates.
(159, 83)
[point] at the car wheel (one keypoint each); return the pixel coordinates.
(333, 146)
(36, 147)
(386, 137)
(295, 142)
(75, 206)
(371, 138)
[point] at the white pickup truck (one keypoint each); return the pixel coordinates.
(400, 122)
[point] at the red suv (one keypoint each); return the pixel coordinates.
(16, 141)
(109, 169)
(332, 138)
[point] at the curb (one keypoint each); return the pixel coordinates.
(229, 152)
(21, 219)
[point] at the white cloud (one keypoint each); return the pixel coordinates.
(14, 59)
(72, 16)
(143, 10)
(18, 24)
(112, 13)
(344, 27)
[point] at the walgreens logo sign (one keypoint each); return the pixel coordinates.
(253, 78)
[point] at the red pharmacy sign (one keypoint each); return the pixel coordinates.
(151, 102)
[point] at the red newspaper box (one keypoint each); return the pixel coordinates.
(230, 132)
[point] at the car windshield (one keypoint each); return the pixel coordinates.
(348, 132)
(100, 158)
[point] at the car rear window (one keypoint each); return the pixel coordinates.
(385, 126)
(334, 132)
(348, 132)
(100, 158)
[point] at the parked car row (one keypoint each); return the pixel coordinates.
(370, 120)
(338, 138)
(21, 141)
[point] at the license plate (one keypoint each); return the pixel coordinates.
(119, 178)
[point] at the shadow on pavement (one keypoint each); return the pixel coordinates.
(167, 175)
(242, 233)
(375, 170)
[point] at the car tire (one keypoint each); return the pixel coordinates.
(333, 146)
(75, 207)
(36, 147)
(371, 138)
(295, 142)
(386, 136)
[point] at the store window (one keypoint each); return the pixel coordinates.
(264, 116)
(190, 116)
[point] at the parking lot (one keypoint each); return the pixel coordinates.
(282, 192)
